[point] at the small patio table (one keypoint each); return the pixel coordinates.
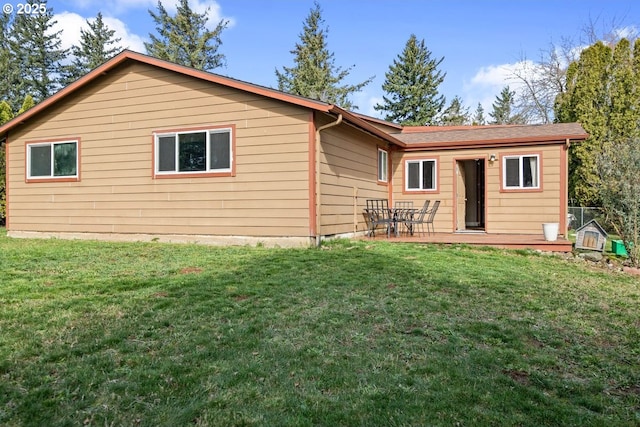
(399, 216)
(378, 212)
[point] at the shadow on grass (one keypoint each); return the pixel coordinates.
(351, 334)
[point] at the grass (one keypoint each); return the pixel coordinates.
(356, 333)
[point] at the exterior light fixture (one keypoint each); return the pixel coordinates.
(492, 158)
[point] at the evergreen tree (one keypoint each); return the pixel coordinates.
(184, 38)
(411, 87)
(37, 54)
(97, 45)
(455, 114)
(27, 104)
(582, 102)
(9, 76)
(623, 122)
(314, 74)
(502, 113)
(6, 114)
(603, 95)
(478, 117)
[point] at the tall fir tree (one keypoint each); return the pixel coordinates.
(478, 117)
(6, 114)
(185, 39)
(315, 74)
(10, 76)
(624, 118)
(603, 95)
(502, 113)
(37, 53)
(411, 87)
(455, 114)
(97, 45)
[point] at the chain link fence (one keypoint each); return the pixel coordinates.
(579, 216)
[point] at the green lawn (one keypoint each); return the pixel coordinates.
(352, 334)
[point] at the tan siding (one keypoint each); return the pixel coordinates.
(348, 166)
(506, 212)
(115, 118)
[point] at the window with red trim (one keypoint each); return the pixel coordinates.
(420, 175)
(383, 162)
(52, 160)
(198, 151)
(521, 172)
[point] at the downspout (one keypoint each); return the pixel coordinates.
(318, 196)
(564, 211)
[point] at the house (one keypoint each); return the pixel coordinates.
(141, 148)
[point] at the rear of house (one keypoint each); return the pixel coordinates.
(145, 150)
(142, 148)
(493, 179)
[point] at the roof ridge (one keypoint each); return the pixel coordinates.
(126, 55)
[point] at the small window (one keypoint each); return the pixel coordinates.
(194, 152)
(383, 162)
(521, 172)
(52, 160)
(420, 175)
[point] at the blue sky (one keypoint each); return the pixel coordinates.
(481, 41)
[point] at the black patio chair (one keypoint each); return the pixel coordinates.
(417, 219)
(402, 209)
(431, 216)
(378, 214)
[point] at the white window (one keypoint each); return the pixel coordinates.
(383, 162)
(198, 151)
(52, 160)
(420, 175)
(521, 172)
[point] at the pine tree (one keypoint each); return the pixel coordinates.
(455, 114)
(184, 38)
(314, 74)
(97, 45)
(9, 76)
(37, 53)
(502, 113)
(478, 117)
(411, 87)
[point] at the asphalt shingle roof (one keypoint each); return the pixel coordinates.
(485, 134)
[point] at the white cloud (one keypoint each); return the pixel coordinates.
(488, 81)
(128, 40)
(201, 6)
(121, 7)
(629, 32)
(371, 102)
(71, 23)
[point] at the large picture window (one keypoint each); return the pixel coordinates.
(420, 175)
(521, 172)
(52, 160)
(200, 151)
